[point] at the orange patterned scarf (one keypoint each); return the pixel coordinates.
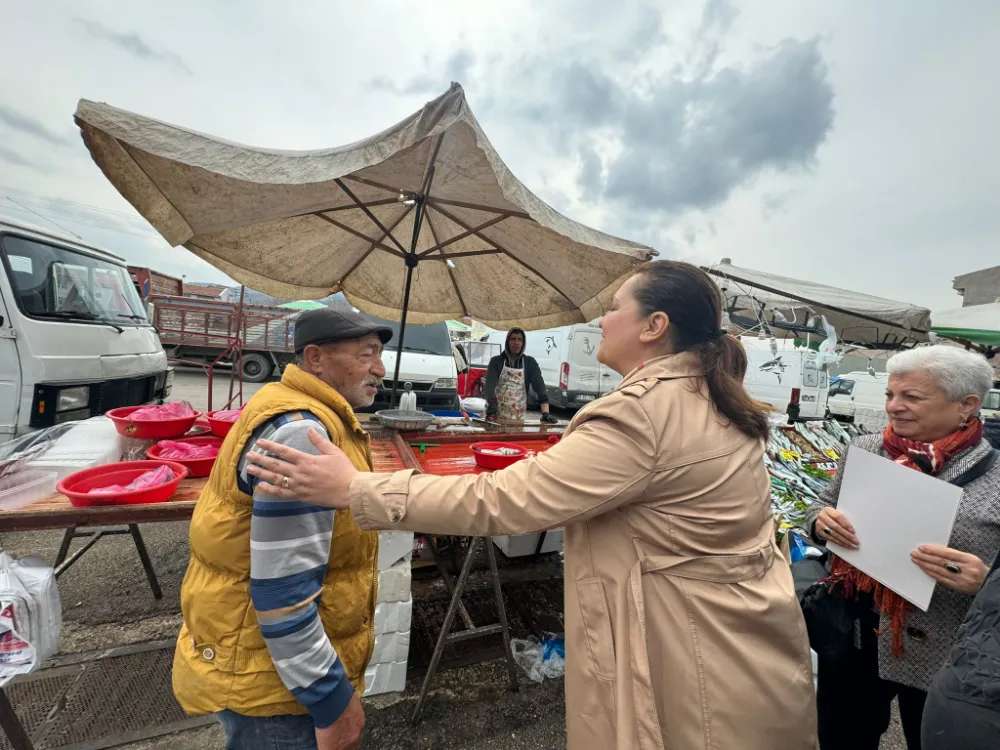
(929, 458)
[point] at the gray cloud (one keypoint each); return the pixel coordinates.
(28, 125)
(434, 79)
(16, 159)
(134, 44)
(693, 142)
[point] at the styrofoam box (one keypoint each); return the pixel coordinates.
(519, 546)
(390, 647)
(393, 617)
(25, 487)
(394, 583)
(385, 678)
(394, 546)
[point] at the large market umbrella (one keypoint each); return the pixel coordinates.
(422, 221)
(977, 324)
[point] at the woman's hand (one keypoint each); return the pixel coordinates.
(833, 526)
(957, 570)
(320, 480)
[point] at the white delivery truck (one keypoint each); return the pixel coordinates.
(789, 378)
(74, 337)
(856, 390)
(567, 357)
(428, 368)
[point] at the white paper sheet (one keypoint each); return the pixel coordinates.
(894, 510)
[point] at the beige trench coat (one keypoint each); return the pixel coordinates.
(682, 627)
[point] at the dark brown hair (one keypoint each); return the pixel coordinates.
(693, 303)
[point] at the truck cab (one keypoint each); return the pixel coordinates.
(74, 337)
(427, 368)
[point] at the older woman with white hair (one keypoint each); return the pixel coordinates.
(933, 397)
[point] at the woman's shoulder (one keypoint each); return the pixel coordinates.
(871, 442)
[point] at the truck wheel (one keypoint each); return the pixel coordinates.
(256, 368)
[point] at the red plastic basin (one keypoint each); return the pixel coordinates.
(197, 467)
(220, 427)
(488, 461)
(76, 486)
(163, 429)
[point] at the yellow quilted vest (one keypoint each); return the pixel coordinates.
(221, 660)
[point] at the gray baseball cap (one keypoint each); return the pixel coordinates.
(327, 325)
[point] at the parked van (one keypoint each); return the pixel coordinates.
(567, 357)
(74, 337)
(856, 390)
(427, 368)
(788, 378)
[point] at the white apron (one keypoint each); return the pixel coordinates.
(512, 396)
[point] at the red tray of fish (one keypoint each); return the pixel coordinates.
(220, 427)
(196, 466)
(77, 486)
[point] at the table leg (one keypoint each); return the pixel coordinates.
(449, 618)
(448, 583)
(11, 725)
(541, 543)
(147, 564)
(68, 537)
(502, 611)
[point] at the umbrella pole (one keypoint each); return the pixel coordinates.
(411, 259)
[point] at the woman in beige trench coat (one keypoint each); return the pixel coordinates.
(682, 627)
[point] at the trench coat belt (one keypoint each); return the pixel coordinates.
(712, 568)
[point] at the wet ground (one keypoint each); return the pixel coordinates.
(107, 603)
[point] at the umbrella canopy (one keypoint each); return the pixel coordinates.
(304, 304)
(978, 324)
(423, 220)
(858, 318)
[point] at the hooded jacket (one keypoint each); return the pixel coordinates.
(532, 372)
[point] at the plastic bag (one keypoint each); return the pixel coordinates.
(173, 410)
(227, 416)
(172, 449)
(540, 659)
(144, 481)
(15, 453)
(30, 615)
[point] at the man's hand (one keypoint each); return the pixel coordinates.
(548, 418)
(346, 732)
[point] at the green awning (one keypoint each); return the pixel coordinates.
(978, 324)
(303, 304)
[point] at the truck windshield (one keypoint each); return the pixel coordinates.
(992, 401)
(432, 339)
(58, 282)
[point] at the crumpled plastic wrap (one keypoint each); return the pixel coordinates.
(174, 449)
(227, 416)
(144, 481)
(173, 410)
(540, 659)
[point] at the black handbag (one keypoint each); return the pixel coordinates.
(829, 616)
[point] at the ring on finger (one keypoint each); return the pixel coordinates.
(284, 483)
(953, 568)
(827, 531)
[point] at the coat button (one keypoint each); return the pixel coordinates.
(916, 634)
(208, 654)
(394, 516)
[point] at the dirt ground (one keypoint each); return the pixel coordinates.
(107, 603)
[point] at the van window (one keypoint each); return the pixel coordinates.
(810, 375)
(54, 281)
(842, 388)
(429, 339)
(992, 401)
(479, 353)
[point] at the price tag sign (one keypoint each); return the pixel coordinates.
(790, 455)
(832, 454)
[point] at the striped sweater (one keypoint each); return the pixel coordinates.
(289, 552)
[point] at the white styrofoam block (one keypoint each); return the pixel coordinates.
(390, 647)
(520, 546)
(385, 678)
(394, 583)
(394, 546)
(393, 617)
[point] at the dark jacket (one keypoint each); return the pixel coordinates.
(532, 373)
(963, 702)
(991, 430)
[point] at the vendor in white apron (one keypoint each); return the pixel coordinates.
(510, 375)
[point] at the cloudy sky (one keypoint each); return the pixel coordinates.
(844, 141)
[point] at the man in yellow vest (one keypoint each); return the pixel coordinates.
(279, 595)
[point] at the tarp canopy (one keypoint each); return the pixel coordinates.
(429, 195)
(859, 319)
(978, 324)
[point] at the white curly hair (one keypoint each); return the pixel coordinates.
(960, 373)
